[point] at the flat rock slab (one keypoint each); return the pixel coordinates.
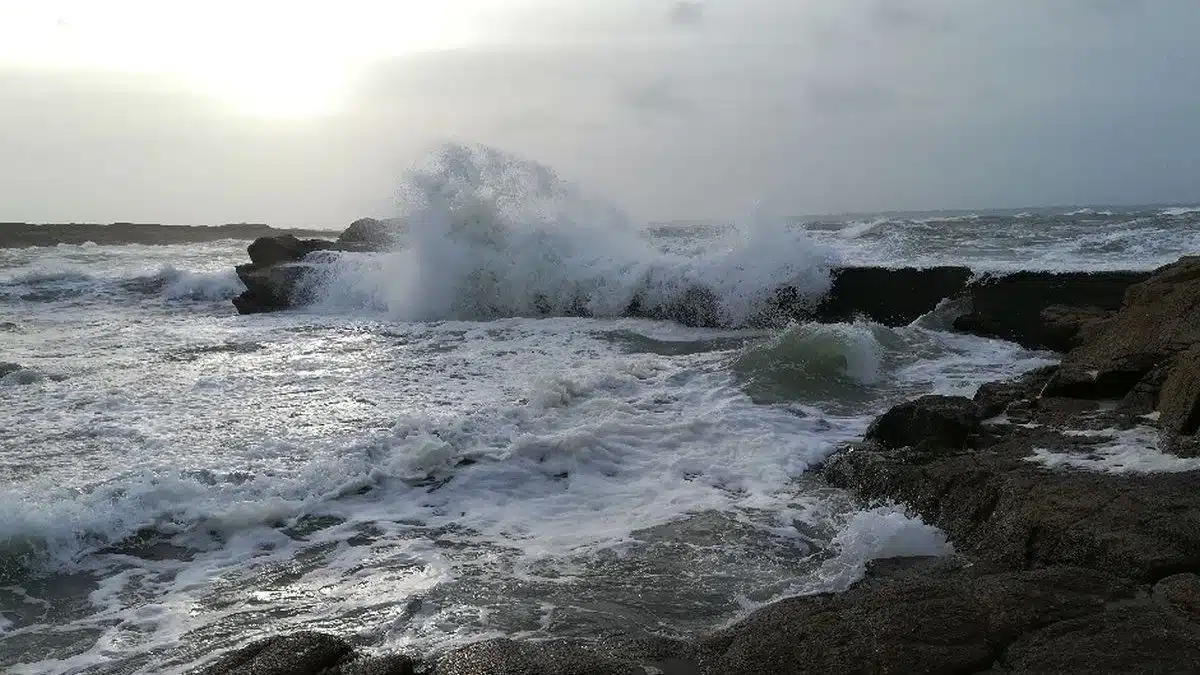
(305, 653)
(946, 616)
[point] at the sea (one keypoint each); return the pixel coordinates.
(438, 450)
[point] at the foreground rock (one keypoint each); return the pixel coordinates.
(949, 616)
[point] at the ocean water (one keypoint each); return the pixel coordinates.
(415, 463)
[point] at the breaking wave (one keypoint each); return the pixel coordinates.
(491, 235)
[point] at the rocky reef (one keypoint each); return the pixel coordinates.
(1069, 493)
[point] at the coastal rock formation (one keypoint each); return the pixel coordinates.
(1029, 308)
(275, 276)
(892, 297)
(953, 616)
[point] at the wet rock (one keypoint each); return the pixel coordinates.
(1134, 638)
(892, 297)
(284, 248)
(270, 289)
(529, 658)
(366, 234)
(993, 398)
(1182, 592)
(305, 653)
(929, 422)
(1159, 319)
(1179, 397)
(1064, 327)
(950, 616)
(1011, 306)
(996, 504)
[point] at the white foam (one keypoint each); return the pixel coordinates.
(185, 285)
(490, 235)
(1181, 210)
(1136, 450)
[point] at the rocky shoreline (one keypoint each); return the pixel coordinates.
(1069, 493)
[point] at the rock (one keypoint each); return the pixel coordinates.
(1179, 397)
(893, 297)
(993, 398)
(1011, 306)
(529, 658)
(304, 653)
(945, 616)
(943, 422)
(1064, 328)
(995, 504)
(270, 289)
(6, 368)
(284, 248)
(1182, 592)
(1160, 317)
(1125, 639)
(366, 234)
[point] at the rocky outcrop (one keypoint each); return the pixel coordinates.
(1043, 310)
(306, 653)
(955, 616)
(275, 276)
(892, 297)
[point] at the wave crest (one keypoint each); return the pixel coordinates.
(491, 235)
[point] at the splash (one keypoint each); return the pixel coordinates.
(490, 235)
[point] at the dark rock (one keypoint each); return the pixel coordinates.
(393, 664)
(1159, 318)
(305, 653)
(284, 248)
(1182, 592)
(270, 289)
(1011, 306)
(997, 505)
(366, 234)
(1134, 638)
(1184, 446)
(943, 616)
(1179, 397)
(893, 297)
(6, 368)
(1064, 327)
(1142, 399)
(942, 422)
(529, 658)
(993, 398)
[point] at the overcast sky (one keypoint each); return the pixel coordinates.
(300, 113)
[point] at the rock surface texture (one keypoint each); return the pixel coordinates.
(1070, 494)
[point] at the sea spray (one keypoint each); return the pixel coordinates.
(490, 235)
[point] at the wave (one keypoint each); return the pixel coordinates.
(1176, 211)
(814, 361)
(168, 283)
(491, 235)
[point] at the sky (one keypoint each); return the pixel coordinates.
(307, 114)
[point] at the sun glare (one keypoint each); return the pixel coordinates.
(265, 58)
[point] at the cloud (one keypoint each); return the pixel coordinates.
(687, 13)
(850, 97)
